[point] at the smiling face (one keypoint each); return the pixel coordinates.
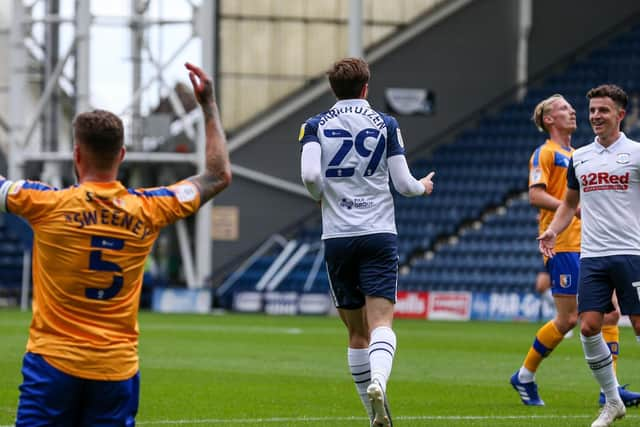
(605, 117)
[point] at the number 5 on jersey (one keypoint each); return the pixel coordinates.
(96, 263)
(335, 171)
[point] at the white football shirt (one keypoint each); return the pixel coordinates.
(609, 183)
(355, 141)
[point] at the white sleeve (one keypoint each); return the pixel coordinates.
(402, 179)
(311, 169)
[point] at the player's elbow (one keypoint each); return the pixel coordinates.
(534, 198)
(224, 178)
(218, 181)
(405, 191)
(311, 177)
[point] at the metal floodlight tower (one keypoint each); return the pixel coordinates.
(22, 124)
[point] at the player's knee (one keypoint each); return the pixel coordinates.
(571, 323)
(589, 329)
(566, 322)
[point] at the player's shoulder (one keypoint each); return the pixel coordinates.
(583, 151)
(37, 189)
(315, 120)
(544, 146)
(541, 151)
(183, 191)
(35, 186)
(632, 144)
(150, 193)
(388, 119)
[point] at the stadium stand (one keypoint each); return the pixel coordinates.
(451, 240)
(477, 231)
(15, 235)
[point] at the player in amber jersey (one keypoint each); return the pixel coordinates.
(90, 246)
(547, 187)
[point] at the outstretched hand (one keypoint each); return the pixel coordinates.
(202, 84)
(547, 242)
(428, 184)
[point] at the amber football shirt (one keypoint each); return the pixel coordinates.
(90, 246)
(548, 167)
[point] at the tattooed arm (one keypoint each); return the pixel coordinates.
(217, 174)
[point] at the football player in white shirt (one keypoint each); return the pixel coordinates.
(604, 177)
(348, 153)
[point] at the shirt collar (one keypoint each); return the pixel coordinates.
(551, 142)
(355, 102)
(613, 147)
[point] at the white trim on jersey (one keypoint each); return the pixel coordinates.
(4, 191)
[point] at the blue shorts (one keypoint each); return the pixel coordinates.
(49, 397)
(564, 269)
(600, 276)
(362, 266)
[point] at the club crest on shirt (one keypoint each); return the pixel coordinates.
(623, 158)
(565, 280)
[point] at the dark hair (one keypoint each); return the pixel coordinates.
(612, 91)
(348, 76)
(102, 133)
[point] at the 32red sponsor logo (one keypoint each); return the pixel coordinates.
(604, 181)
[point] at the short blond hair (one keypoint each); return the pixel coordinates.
(542, 109)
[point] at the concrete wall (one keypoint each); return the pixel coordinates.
(270, 48)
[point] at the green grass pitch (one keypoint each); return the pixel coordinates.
(254, 370)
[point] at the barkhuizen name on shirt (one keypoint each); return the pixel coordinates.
(367, 112)
(108, 217)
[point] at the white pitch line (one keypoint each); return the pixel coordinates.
(331, 419)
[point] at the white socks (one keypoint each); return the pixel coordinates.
(382, 348)
(600, 361)
(359, 366)
(525, 375)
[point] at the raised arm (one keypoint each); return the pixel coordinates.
(217, 174)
